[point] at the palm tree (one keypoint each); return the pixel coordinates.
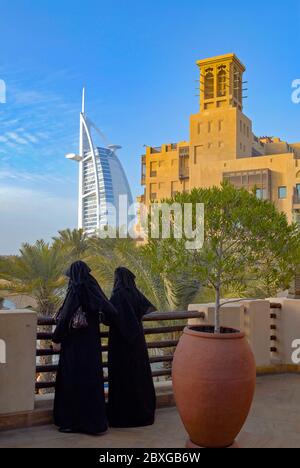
(73, 242)
(37, 272)
(166, 291)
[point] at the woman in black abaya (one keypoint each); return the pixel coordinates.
(79, 404)
(131, 401)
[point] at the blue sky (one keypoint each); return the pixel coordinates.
(137, 61)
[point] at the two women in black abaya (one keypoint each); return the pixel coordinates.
(79, 404)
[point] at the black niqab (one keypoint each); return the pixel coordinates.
(129, 322)
(82, 283)
(131, 401)
(124, 278)
(78, 273)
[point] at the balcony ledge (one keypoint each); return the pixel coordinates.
(42, 414)
(274, 422)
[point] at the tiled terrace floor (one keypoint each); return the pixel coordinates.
(274, 422)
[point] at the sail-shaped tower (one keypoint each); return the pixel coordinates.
(102, 179)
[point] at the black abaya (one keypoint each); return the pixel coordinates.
(132, 400)
(79, 403)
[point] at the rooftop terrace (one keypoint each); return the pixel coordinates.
(271, 326)
(274, 422)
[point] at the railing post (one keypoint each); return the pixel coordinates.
(18, 330)
(231, 315)
(258, 330)
(288, 328)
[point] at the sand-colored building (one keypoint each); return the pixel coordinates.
(222, 146)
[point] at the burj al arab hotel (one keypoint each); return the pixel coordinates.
(102, 180)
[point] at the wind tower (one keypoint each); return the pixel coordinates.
(220, 130)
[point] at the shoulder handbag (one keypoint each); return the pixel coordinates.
(79, 319)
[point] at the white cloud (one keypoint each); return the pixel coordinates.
(25, 97)
(19, 137)
(10, 122)
(30, 137)
(27, 215)
(11, 144)
(16, 138)
(34, 116)
(44, 135)
(23, 176)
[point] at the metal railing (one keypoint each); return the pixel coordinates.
(170, 341)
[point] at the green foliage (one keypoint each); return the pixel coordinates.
(249, 245)
(73, 242)
(166, 292)
(249, 250)
(36, 272)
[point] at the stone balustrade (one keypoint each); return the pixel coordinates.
(272, 327)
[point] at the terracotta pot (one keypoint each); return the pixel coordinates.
(214, 379)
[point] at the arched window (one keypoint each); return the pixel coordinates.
(298, 175)
(221, 83)
(209, 84)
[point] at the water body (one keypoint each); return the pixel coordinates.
(7, 304)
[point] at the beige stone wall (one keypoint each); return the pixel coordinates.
(162, 172)
(283, 173)
(206, 171)
(17, 374)
(288, 327)
(254, 318)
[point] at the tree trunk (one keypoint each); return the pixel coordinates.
(217, 311)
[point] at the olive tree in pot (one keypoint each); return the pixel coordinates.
(214, 372)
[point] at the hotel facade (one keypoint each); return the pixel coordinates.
(222, 146)
(102, 180)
